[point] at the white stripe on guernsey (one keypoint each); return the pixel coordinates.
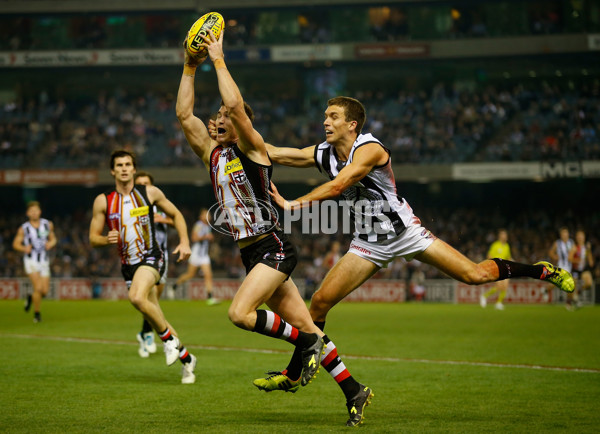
(338, 370)
(270, 321)
(287, 331)
(328, 349)
(356, 357)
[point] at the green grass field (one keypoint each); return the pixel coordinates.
(432, 367)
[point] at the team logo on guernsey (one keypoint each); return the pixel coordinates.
(233, 166)
(236, 219)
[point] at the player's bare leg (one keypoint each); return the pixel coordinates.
(258, 287)
(347, 274)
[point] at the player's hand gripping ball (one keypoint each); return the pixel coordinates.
(210, 22)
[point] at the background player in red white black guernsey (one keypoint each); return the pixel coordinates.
(161, 222)
(128, 212)
(34, 238)
(359, 168)
(240, 171)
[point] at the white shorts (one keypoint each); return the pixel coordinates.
(32, 266)
(197, 260)
(414, 240)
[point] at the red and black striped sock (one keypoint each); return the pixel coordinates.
(184, 355)
(270, 324)
(333, 364)
(166, 335)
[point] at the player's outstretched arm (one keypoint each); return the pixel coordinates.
(158, 198)
(97, 225)
(194, 129)
(292, 157)
(365, 159)
(250, 142)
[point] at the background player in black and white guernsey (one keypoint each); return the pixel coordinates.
(559, 254)
(161, 222)
(129, 214)
(240, 171)
(360, 169)
(35, 238)
(201, 238)
(582, 261)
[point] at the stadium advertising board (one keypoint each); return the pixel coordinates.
(73, 289)
(391, 51)
(53, 177)
(113, 289)
(519, 291)
(379, 290)
(223, 289)
(10, 289)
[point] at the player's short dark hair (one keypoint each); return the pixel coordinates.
(122, 153)
(142, 173)
(33, 203)
(353, 109)
(247, 109)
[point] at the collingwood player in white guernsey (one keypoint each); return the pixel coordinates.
(161, 222)
(201, 238)
(34, 238)
(128, 211)
(240, 171)
(360, 169)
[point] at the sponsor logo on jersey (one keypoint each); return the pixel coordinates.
(233, 166)
(143, 210)
(114, 216)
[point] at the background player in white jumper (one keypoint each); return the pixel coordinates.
(200, 258)
(559, 254)
(582, 261)
(161, 222)
(128, 211)
(34, 238)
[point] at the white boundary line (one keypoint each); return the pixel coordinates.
(264, 351)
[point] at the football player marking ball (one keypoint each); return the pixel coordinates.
(210, 22)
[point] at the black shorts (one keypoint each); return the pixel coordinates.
(158, 264)
(274, 250)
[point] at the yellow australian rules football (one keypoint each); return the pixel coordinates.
(210, 22)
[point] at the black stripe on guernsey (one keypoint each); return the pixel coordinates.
(326, 161)
(366, 143)
(316, 158)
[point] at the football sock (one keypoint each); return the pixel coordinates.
(270, 324)
(166, 335)
(184, 355)
(146, 327)
(333, 364)
(510, 269)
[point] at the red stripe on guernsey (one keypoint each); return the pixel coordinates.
(293, 335)
(342, 376)
(331, 356)
(276, 322)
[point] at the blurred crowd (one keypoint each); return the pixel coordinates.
(470, 230)
(442, 125)
(316, 24)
